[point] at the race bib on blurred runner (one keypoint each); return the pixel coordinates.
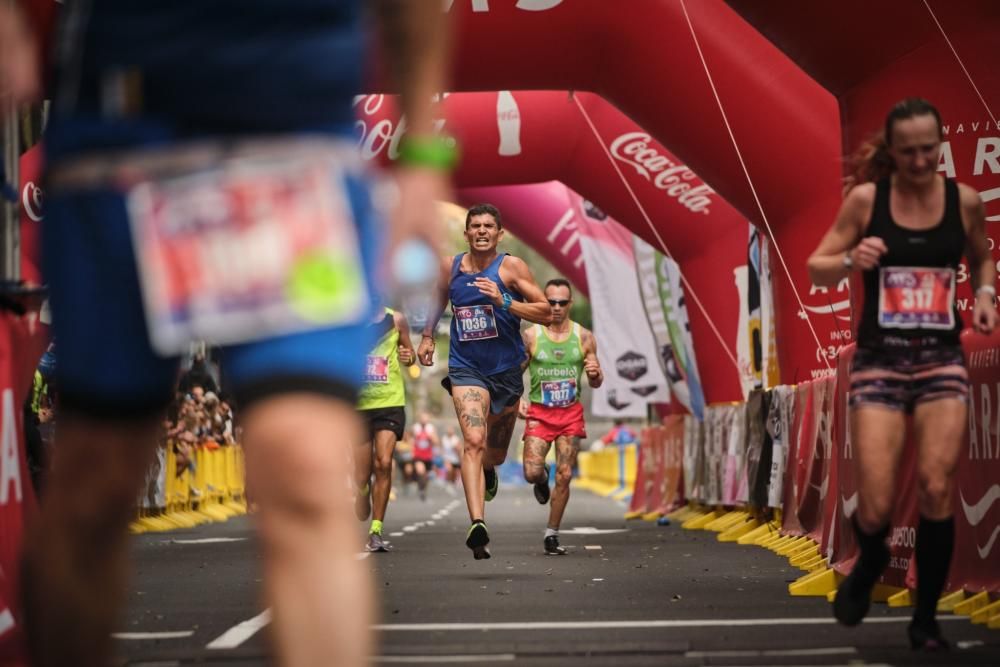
(558, 393)
(377, 369)
(475, 322)
(916, 298)
(247, 249)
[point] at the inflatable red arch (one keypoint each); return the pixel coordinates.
(856, 57)
(705, 234)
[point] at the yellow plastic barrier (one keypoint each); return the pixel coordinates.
(215, 492)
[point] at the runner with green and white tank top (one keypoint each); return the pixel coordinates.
(560, 355)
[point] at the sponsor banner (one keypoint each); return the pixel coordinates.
(802, 437)
(31, 200)
(780, 422)
(627, 350)
(734, 456)
(693, 456)
(976, 503)
(669, 483)
(663, 299)
(20, 348)
(645, 472)
(759, 448)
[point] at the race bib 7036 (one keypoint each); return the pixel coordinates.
(475, 322)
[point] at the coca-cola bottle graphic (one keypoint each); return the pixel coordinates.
(509, 124)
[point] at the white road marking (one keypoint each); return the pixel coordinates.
(833, 650)
(597, 579)
(593, 547)
(409, 529)
(602, 625)
(208, 540)
(438, 659)
(398, 533)
(590, 530)
(241, 632)
(137, 636)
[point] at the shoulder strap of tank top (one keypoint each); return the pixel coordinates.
(456, 263)
(952, 205)
(880, 210)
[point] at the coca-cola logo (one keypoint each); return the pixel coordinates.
(631, 366)
(634, 149)
(31, 200)
(378, 133)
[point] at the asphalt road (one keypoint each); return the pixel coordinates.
(627, 593)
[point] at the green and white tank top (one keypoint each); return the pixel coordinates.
(556, 368)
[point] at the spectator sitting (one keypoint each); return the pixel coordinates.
(620, 434)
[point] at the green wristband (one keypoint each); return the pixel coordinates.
(433, 152)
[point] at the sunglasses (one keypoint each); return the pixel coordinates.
(559, 302)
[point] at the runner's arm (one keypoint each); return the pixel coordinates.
(535, 307)
(425, 352)
(981, 267)
(407, 355)
(591, 366)
(415, 39)
(826, 264)
(528, 336)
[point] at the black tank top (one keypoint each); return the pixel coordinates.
(941, 246)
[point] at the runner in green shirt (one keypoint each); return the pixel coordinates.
(560, 355)
(381, 404)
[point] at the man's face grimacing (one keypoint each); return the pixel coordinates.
(560, 300)
(483, 233)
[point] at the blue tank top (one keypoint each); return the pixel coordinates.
(223, 65)
(483, 336)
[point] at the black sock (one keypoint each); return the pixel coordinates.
(935, 543)
(873, 556)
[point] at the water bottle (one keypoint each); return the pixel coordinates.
(415, 267)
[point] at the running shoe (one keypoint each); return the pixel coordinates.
(477, 539)
(552, 547)
(927, 637)
(492, 483)
(542, 491)
(376, 543)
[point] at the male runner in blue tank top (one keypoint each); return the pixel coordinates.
(169, 119)
(489, 293)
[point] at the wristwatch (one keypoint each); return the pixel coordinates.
(847, 261)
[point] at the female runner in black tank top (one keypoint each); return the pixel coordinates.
(906, 229)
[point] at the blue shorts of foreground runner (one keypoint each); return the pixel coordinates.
(505, 388)
(107, 365)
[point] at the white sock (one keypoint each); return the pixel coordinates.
(549, 532)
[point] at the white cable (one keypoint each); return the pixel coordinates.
(961, 64)
(663, 246)
(767, 225)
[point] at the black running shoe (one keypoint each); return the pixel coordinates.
(492, 483)
(542, 491)
(853, 599)
(477, 539)
(927, 637)
(552, 547)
